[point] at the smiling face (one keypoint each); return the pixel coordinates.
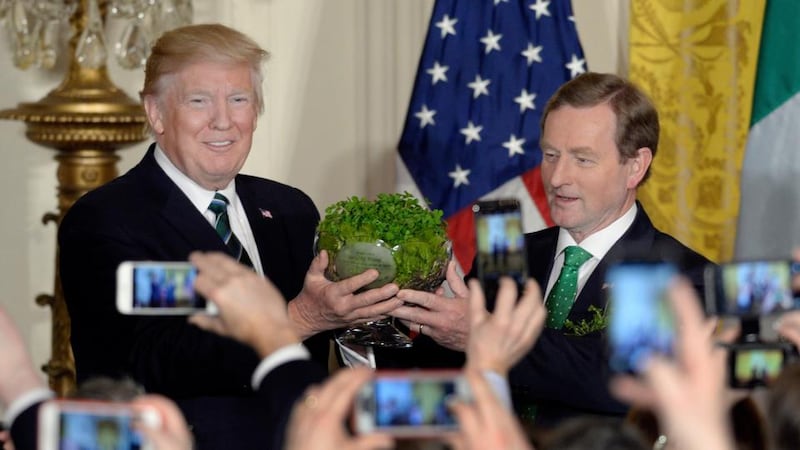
(588, 186)
(205, 119)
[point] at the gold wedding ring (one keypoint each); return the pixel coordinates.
(420, 329)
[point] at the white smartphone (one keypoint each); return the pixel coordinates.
(159, 288)
(67, 424)
(409, 404)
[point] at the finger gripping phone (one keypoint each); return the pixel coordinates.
(757, 364)
(67, 424)
(409, 404)
(750, 289)
(641, 319)
(500, 244)
(159, 288)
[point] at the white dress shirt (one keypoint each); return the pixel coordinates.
(201, 198)
(598, 244)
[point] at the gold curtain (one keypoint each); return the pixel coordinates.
(697, 60)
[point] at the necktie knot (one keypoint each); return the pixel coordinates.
(219, 204)
(575, 256)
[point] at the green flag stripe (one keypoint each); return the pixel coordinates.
(778, 75)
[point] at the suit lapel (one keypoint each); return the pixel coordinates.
(187, 223)
(634, 244)
(268, 223)
(541, 248)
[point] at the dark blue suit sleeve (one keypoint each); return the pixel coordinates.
(24, 429)
(281, 388)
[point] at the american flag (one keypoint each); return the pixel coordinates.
(472, 128)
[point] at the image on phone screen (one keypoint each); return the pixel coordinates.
(751, 366)
(405, 402)
(641, 320)
(751, 288)
(84, 430)
(409, 404)
(160, 286)
(500, 243)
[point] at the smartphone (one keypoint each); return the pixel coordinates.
(66, 424)
(500, 244)
(159, 288)
(641, 319)
(409, 404)
(757, 364)
(751, 288)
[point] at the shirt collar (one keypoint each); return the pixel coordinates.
(198, 195)
(599, 242)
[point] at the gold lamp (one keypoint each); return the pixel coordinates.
(86, 119)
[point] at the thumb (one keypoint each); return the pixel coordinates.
(319, 263)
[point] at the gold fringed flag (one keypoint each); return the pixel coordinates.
(697, 60)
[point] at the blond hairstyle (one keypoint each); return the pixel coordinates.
(184, 46)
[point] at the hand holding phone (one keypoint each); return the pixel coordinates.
(408, 404)
(500, 244)
(159, 288)
(92, 424)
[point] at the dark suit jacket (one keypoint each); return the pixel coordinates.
(566, 375)
(143, 215)
(25, 427)
(281, 388)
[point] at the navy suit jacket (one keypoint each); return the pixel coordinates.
(143, 215)
(566, 375)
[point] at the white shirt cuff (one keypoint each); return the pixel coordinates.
(25, 401)
(281, 356)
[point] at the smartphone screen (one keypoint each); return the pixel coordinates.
(751, 288)
(412, 403)
(500, 244)
(84, 424)
(753, 365)
(154, 287)
(641, 320)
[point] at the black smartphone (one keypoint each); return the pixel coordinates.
(751, 289)
(641, 319)
(757, 364)
(409, 403)
(500, 244)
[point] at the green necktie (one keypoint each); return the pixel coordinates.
(559, 301)
(219, 206)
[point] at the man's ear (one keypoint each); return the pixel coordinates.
(638, 166)
(153, 112)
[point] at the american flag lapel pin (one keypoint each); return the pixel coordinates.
(265, 213)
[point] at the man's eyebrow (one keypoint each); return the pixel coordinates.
(582, 151)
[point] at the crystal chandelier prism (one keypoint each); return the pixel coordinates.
(37, 29)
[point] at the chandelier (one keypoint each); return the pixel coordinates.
(37, 29)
